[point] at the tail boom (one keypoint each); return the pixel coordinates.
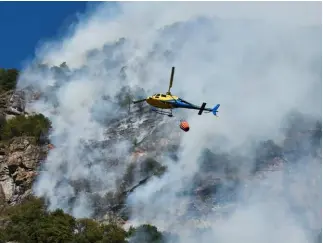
(200, 109)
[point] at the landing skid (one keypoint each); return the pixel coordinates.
(170, 114)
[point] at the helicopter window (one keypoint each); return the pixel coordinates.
(163, 95)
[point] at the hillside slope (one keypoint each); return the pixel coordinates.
(24, 146)
(213, 188)
(252, 174)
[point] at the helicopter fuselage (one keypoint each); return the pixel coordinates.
(162, 101)
(167, 101)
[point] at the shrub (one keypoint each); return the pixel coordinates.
(151, 166)
(21, 125)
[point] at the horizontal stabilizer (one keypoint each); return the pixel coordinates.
(202, 108)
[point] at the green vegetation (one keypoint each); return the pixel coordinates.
(35, 126)
(134, 176)
(8, 79)
(135, 142)
(146, 233)
(30, 222)
(126, 95)
(151, 166)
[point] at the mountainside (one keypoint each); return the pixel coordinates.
(140, 158)
(75, 151)
(24, 147)
(21, 147)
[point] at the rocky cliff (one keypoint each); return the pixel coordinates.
(19, 156)
(19, 162)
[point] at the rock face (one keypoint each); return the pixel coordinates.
(18, 162)
(19, 157)
(12, 103)
(16, 103)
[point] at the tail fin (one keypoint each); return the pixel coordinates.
(215, 109)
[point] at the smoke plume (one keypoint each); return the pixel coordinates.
(260, 61)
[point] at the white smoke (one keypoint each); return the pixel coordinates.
(258, 60)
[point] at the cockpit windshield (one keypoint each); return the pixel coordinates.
(158, 95)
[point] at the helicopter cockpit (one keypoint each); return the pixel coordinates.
(159, 95)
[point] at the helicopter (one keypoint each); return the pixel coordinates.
(170, 102)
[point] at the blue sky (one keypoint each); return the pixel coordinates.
(25, 24)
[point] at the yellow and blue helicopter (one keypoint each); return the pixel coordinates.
(169, 101)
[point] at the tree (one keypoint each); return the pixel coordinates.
(88, 230)
(124, 97)
(146, 233)
(30, 222)
(8, 79)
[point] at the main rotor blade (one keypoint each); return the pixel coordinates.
(171, 79)
(138, 101)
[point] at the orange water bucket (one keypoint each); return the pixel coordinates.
(184, 126)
